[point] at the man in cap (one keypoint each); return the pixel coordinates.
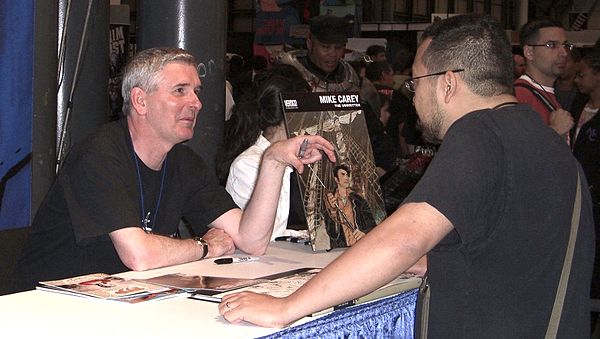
(322, 64)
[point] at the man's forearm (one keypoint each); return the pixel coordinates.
(389, 249)
(257, 220)
(140, 251)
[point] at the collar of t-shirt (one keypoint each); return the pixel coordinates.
(536, 85)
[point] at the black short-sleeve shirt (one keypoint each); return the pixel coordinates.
(507, 183)
(98, 191)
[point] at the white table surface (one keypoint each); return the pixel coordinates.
(44, 314)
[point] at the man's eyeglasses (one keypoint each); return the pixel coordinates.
(410, 83)
(555, 44)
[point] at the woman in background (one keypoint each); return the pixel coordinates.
(587, 147)
(256, 123)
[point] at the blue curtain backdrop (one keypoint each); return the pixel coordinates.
(16, 111)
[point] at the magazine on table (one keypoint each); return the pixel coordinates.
(207, 285)
(108, 287)
(342, 201)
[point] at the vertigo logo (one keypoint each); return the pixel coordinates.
(290, 104)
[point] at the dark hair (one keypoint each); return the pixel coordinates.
(530, 32)
(258, 62)
(576, 54)
(339, 167)
(376, 68)
(259, 109)
(374, 50)
(330, 29)
(383, 98)
(592, 59)
(475, 43)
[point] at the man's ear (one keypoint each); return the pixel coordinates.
(528, 52)
(449, 84)
(138, 100)
(309, 41)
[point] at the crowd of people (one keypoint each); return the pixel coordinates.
(490, 215)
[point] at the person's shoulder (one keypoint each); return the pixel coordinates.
(251, 156)
(106, 138)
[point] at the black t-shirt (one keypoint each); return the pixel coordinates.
(97, 192)
(507, 183)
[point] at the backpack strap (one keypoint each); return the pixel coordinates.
(538, 95)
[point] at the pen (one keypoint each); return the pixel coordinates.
(204, 297)
(223, 261)
(303, 148)
(300, 240)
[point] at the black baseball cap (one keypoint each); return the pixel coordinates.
(330, 29)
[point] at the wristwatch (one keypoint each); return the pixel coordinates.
(202, 243)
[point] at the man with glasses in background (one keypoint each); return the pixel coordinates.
(492, 212)
(545, 48)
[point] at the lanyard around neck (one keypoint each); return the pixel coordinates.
(145, 220)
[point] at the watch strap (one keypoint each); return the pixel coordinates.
(204, 245)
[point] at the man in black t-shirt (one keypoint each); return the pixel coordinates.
(120, 195)
(492, 212)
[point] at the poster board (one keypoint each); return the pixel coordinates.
(342, 201)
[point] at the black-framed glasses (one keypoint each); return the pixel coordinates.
(410, 83)
(552, 44)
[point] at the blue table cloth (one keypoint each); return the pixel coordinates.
(392, 317)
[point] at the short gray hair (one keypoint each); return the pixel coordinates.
(142, 71)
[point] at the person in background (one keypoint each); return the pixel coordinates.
(586, 146)
(258, 63)
(545, 48)
(518, 65)
(120, 195)
(322, 64)
(491, 211)
(368, 92)
(566, 91)
(380, 73)
(258, 123)
(376, 53)
(384, 111)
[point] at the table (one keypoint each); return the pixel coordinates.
(46, 314)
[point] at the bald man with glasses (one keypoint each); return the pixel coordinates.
(545, 48)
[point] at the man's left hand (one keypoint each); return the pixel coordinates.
(287, 152)
(219, 243)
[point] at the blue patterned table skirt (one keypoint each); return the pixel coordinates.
(392, 317)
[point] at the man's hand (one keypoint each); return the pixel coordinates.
(219, 243)
(286, 152)
(561, 121)
(260, 309)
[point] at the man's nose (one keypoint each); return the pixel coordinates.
(195, 102)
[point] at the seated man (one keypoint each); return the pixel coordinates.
(120, 195)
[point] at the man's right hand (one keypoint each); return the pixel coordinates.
(219, 243)
(561, 121)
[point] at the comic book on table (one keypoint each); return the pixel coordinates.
(207, 285)
(288, 282)
(108, 287)
(342, 201)
(104, 286)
